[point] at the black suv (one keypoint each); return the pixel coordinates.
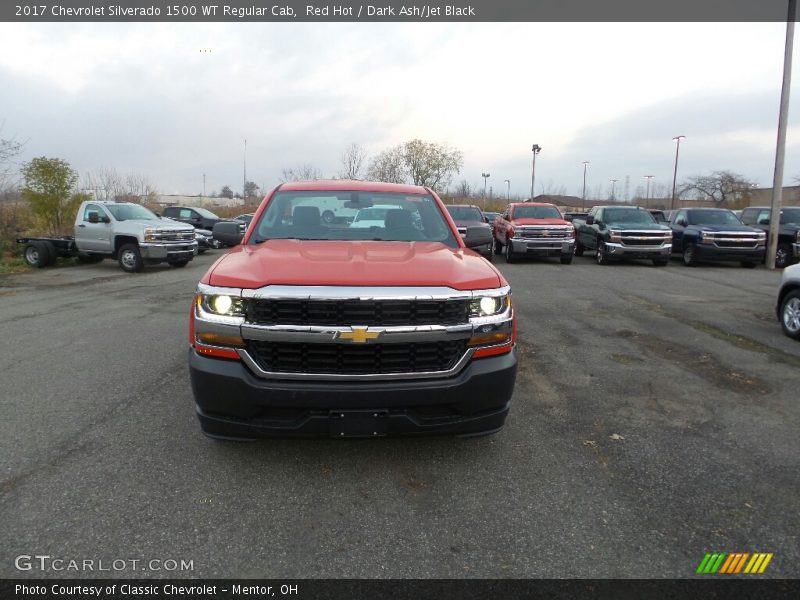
(715, 234)
(788, 231)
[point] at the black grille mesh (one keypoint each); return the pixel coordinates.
(357, 359)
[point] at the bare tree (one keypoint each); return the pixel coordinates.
(106, 183)
(226, 192)
(301, 173)
(9, 150)
(250, 189)
(388, 166)
(463, 189)
(352, 162)
(432, 165)
(722, 187)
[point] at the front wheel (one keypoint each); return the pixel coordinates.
(602, 257)
(690, 255)
(130, 259)
(578, 249)
(783, 256)
(509, 252)
(328, 217)
(790, 314)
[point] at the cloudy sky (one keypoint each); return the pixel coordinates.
(172, 102)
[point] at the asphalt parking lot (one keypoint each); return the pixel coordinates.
(655, 418)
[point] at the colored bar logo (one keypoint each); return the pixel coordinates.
(734, 563)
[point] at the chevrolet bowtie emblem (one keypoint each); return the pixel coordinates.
(359, 335)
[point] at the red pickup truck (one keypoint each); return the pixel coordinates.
(533, 228)
(309, 328)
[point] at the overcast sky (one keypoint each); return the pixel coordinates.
(144, 98)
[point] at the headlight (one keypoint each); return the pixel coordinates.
(486, 306)
(149, 235)
(221, 304)
(706, 237)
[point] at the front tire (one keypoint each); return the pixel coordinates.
(509, 252)
(790, 314)
(602, 257)
(783, 256)
(578, 248)
(130, 259)
(690, 255)
(328, 217)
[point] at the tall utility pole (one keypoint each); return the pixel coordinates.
(647, 194)
(586, 162)
(536, 148)
(508, 189)
(678, 139)
(780, 150)
(485, 177)
(204, 185)
(244, 181)
(613, 183)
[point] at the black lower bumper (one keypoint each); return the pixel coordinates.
(713, 253)
(233, 403)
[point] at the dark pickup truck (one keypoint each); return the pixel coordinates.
(700, 234)
(623, 232)
(788, 233)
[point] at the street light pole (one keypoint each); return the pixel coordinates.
(678, 139)
(613, 183)
(508, 189)
(536, 148)
(780, 147)
(583, 203)
(485, 177)
(647, 194)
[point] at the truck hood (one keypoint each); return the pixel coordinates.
(311, 262)
(716, 228)
(639, 226)
(162, 223)
(529, 221)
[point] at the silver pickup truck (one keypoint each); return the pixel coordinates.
(127, 232)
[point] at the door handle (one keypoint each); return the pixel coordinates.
(81, 225)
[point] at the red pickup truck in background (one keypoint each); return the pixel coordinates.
(533, 228)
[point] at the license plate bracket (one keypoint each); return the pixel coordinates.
(358, 423)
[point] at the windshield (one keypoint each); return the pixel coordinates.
(790, 215)
(206, 213)
(536, 212)
(465, 213)
(712, 217)
(627, 215)
(128, 212)
(341, 215)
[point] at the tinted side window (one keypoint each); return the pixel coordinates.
(763, 214)
(92, 208)
(748, 216)
(186, 213)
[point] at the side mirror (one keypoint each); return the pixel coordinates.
(682, 222)
(228, 233)
(590, 220)
(477, 236)
(196, 219)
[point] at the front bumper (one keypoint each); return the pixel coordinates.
(615, 250)
(232, 402)
(713, 252)
(174, 251)
(542, 247)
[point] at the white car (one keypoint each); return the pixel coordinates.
(374, 216)
(788, 306)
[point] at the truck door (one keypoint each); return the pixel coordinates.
(678, 225)
(93, 231)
